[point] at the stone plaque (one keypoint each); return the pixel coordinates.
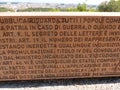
(54, 47)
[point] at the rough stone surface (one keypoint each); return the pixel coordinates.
(69, 84)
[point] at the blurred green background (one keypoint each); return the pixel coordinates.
(106, 6)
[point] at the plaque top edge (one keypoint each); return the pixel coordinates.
(59, 14)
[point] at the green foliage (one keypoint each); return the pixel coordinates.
(82, 7)
(67, 9)
(111, 6)
(2, 9)
(48, 10)
(72, 9)
(36, 10)
(103, 6)
(55, 10)
(92, 10)
(79, 8)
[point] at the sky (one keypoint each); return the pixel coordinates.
(93, 2)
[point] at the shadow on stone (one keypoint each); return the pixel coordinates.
(60, 82)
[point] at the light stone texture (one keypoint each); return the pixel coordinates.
(60, 14)
(66, 84)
